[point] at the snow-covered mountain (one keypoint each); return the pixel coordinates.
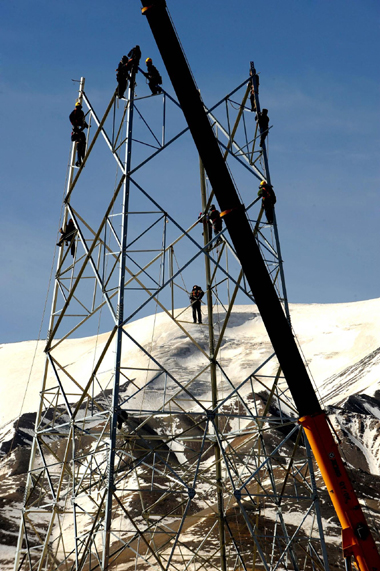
(340, 343)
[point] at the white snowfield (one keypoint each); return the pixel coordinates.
(332, 337)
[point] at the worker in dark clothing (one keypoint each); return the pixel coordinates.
(122, 76)
(80, 138)
(252, 92)
(216, 222)
(263, 120)
(195, 299)
(134, 59)
(68, 236)
(205, 220)
(122, 416)
(153, 77)
(77, 117)
(252, 98)
(268, 200)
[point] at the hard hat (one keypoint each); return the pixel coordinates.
(78, 104)
(262, 183)
(148, 60)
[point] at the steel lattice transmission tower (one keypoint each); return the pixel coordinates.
(138, 462)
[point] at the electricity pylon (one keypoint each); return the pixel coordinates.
(138, 462)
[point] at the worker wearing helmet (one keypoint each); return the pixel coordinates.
(195, 299)
(268, 200)
(216, 222)
(77, 117)
(204, 219)
(153, 77)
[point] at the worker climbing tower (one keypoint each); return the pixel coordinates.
(160, 443)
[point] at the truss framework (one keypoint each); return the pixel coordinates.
(137, 462)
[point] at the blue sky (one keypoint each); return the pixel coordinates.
(318, 64)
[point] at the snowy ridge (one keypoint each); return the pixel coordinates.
(363, 376)
(340, 343)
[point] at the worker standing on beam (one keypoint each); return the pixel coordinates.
(216, 222)
(263, 120)
(122, 76)
(153, 77)
(207, 226)
(254, 76)
(268, 200)
(195, 299)
(77, 117)
(79, 138)
(134, 59)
